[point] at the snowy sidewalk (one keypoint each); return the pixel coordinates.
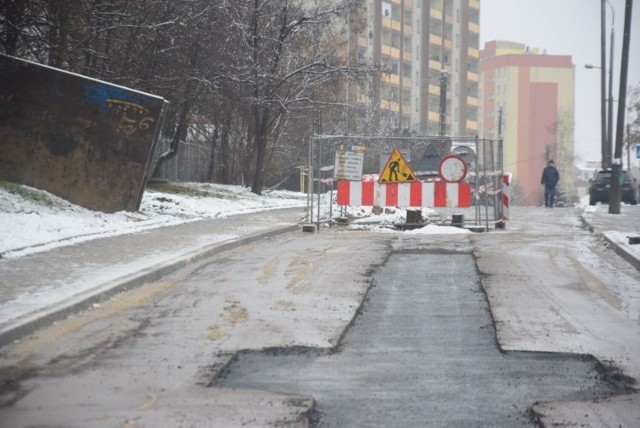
(616, 229)
(40, 288)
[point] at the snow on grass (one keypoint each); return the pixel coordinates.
(34, 220)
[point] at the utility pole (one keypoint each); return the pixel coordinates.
(443, 102)
(610, 91)
(603, 95)
(616, 171)
(443, 76)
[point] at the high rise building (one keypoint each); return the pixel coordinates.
(405, 37)
(531, 94)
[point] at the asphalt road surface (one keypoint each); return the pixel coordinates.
(423, 352)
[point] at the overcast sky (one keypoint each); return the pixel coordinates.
(568, 27)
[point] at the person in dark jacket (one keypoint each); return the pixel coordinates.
(550, 178)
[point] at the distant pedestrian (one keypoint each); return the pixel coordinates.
(550, 178)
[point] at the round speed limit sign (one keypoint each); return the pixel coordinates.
(452, 169)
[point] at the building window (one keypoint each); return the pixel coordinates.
(408, 17)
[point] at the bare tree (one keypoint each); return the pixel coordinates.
(248, 70)
(633, 124)
(285, 52)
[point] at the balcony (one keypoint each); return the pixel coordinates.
(434, 116)
(389, 105)
(390, 23)
(390, 78)
(437, 41)
(390, 51)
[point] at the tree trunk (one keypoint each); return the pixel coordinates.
(260, 142)
(175, 142)
(212, 156)
(224, 168)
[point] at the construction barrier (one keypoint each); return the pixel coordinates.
(505, 195)
(412, 194)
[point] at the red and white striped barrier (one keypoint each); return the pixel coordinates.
(413, 194)
(505, 195)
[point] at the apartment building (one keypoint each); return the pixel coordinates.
(415, 41)
(531, 94)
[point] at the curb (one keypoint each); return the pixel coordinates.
(632, 259)
(622, 252)
(28, 324)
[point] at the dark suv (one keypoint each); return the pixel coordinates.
(601, 184)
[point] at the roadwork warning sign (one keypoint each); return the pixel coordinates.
(397, 170)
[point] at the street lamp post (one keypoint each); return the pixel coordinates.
(603, 72)
(610, 100)
(607, 123)
(607, 101)
(616, 172)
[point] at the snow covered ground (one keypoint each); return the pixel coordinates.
(33, 220)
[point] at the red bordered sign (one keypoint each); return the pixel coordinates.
(452, 169)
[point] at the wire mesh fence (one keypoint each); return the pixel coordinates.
(483, 158)
(191, 163)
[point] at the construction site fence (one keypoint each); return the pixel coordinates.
(483, 157)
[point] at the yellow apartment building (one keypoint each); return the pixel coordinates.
(414, 41)
(533, 92)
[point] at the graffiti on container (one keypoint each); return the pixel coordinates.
(133, 117)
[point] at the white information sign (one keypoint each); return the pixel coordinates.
(348, 165)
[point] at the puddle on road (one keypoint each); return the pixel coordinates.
(423, 352)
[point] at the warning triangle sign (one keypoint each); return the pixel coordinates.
(397, 170)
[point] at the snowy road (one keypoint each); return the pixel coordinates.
(555, 287)
(146, 357)
(149, 357)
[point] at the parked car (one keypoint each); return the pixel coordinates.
(601, 184)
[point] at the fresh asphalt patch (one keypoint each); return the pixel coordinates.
(422, 352)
